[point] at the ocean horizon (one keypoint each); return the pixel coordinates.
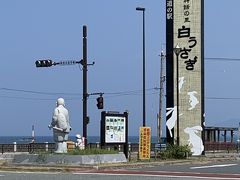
(91, 139)
(49, 139)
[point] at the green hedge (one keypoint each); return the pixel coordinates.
(175, 152)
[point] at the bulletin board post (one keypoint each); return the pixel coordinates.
(114, 130)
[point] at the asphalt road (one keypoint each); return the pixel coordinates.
(60, 176)
(217, 170)
(213, 170)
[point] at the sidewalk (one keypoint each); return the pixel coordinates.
(7, 165)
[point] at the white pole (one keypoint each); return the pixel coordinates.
(14, 146)
(46, 146)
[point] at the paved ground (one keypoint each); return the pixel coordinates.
(192, 170)
(6, 165)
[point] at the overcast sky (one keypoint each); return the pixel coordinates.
(32, 30)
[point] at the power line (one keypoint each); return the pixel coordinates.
(78, 94)
(223, 98)
(222, 59)
(119, 95)
(128, 92)
(108, 94)
(25, 98)
(39, 92)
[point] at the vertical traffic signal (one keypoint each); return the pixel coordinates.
(44, 63)
(100, 102)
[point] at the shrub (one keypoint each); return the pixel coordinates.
(175, 152)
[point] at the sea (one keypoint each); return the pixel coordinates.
(91, 139)
(49, 139)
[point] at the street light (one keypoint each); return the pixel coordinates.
(144, 106)
(177, 51)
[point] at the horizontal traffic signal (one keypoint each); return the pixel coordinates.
(44, 63)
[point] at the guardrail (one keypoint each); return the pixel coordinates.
(132, 147)
(31, 147)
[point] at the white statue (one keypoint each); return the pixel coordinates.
(80, 142)
(60, 125)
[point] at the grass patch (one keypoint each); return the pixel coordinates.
(91, 151)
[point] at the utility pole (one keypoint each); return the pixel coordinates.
(162, 79)
(85, 94)
(238, 137)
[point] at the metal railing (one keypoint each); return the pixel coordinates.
(132, 147)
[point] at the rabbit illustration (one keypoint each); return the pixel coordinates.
(181, 82)
(192, 99)
(172, 120)
(194, 140)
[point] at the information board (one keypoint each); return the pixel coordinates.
(115, 127)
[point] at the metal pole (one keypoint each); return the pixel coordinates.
(144, 102)
(144, 93)
(238, 135)
(178, 143)
(85, 94)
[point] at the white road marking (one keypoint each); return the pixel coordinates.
(156, 175)
(213, 166)
(28, 172)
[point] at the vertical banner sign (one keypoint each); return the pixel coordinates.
(144, 143)
(184, 20)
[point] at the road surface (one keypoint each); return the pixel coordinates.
(219, 170)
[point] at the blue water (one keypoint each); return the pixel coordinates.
(91, 139)
(49, 139)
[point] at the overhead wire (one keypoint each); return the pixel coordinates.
(109, 94)
(222, 59)
(76, 95)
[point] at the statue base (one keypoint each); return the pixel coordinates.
(62, 159)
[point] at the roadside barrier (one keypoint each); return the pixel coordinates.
(132, 147)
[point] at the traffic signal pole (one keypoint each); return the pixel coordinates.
(83, 62)
(85, 94)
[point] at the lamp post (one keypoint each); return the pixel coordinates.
(144, 94)
(177, 51)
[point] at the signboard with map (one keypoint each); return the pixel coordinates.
(114, 127)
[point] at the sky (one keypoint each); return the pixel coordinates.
(32, 30)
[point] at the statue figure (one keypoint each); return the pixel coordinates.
(60, 125)
(80, 142)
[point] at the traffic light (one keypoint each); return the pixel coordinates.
(100, 102)
(87, 120)
(44, 63)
